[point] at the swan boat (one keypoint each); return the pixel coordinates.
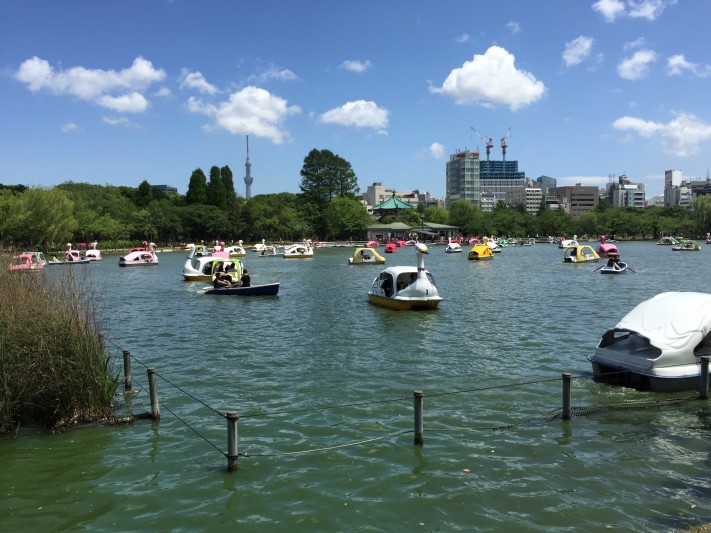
(199, 267)
(685, 245)
(390, 248)
(453, 247)
(606, 248)
(668, 241)
(366, 256)
(657, 346)
(406, 287)
(26, 262)
(568, 243)
(580, 254)
(299, 251)
(236, 250)
(481, 251)
(139, 257)
(71, 257)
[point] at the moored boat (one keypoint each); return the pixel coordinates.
(366, 256)
(657, 346)
(406, 287)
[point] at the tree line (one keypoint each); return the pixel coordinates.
(328, 207)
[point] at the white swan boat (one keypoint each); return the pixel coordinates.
(406, 287)
(236, 250)
(453, 248)
(657, 346)
(299, 251)
(199, 267)
(139, 257)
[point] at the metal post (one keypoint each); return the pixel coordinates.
(127, 370)
(419, 439)
(566, 396)
(153, 389)
(232, 418)
(704, 378)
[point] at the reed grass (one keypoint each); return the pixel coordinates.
(53, 367)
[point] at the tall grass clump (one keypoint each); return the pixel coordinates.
(53, 369)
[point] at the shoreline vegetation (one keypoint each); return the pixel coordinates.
(53, 368)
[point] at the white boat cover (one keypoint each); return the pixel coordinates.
(672, 321)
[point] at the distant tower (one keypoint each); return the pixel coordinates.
(248, 177)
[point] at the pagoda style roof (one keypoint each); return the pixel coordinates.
(392, 204)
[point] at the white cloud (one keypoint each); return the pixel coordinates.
(272, 72)
(436, 150)
(677, 64)
(120, 121)
(513, 26)
(70, 127)
(355, 65)
(358, 114)
(108, 88)
(195, 80)
(577, 50)
(681, 137)
(647, 9)
(126, 103)
(492, 79)
(252, 111)
(463, 38)
(637, 66)
(637, 43)
(610, 9)
(163, 92)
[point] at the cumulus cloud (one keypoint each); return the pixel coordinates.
(252, 111)
(118, 90)
(647, 9)
(436, 150)
(636, 66)
(355, 65)
(358, 114)
(577, 50)
(195, 80)
(681, 136)
(70, 127)
(272, 72)
(677, 64)
(490, 80)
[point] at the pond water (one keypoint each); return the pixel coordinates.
(323, 382)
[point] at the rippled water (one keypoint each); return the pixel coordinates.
(506, 331)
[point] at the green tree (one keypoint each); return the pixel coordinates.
(144, 195)
(197, 188)
(346, 218)
(702, 214)
(436, 215)
(42, 217)
(216, 194)
(228, 183)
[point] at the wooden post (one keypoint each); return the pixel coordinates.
(419, 439)
(152, 388)
(704, 378)
(127, 370)
(232, 418)
(566, 396)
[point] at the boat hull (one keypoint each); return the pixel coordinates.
(405, 304)
(643, 381)
(268, 289)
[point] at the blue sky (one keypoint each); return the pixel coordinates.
(115, 92)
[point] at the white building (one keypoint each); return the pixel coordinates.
(624, 193)
(530, 197)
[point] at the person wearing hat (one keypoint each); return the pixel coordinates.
(245, 279)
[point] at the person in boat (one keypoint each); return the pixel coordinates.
(613, 261)
(245, 280)
(387, 286)
(220, 281)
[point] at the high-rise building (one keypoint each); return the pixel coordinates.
(624, 193)
(462, 175)
(576, 200)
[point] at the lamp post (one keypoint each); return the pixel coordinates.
(422, 219)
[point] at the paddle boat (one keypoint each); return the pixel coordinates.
(140, 256)
(657, 345)
(71, 257)
(481, 251)
(668, 241)
(453, 247)
(366, 256)
(93, 255)
(686, 245)
(708, 238)
(390, 248)
(580, 254)
(568, 243)
(236, 250)
(606, 248)
(406, 287)
(199, 268)
(26, 262)
(39, 257)
(259, 247)
(372, 244)
(299, 251)
(493, 244)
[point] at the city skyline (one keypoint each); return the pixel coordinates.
(118, 92)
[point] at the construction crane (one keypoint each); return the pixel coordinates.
(487, 140)
(504, 143)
